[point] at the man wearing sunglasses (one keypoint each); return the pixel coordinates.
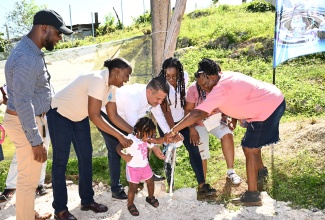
(29, 98)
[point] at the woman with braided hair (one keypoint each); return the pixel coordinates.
(241, 97)
(173, 108)
(199, 135)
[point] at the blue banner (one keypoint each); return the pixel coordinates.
(299, 29)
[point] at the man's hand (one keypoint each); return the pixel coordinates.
(158, 152)
(40, 153)
(178, 137)
(125, 142)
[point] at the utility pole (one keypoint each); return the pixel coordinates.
(92, 24)
(71, 24)
(144, 8)
(122, 12)
(7, 30)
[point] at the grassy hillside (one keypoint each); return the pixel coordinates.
(243, 41)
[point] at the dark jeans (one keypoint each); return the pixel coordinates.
(62, 132)
(114, 159)
(261, 133)
(194, 155)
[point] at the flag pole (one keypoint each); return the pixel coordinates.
(275, 40)
(273, 75)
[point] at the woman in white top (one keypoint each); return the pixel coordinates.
(173, 108)
(68, 122)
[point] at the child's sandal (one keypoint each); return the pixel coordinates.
(133, 210)
(152, 201)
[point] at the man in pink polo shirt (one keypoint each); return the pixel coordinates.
(241, 97)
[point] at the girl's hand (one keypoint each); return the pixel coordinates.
(156, 140)
(194, 136)
(127, 157)
(158, 152)
(172, 137)
(232, 124)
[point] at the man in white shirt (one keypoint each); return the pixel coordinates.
(133, 102)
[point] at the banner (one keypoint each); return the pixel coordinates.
(299, 29)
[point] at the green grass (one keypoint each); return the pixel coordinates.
(300, 180)
(238, 41)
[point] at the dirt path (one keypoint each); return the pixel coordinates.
(184, 203)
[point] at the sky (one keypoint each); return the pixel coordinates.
(81, 9)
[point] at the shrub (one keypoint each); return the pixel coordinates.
(259, 6)
(142, 19)
(109, 26)
(3, 43)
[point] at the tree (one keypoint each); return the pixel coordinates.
(160, 17)
(165, 30)
(3, 43)
(20, 19)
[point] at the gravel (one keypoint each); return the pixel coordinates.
(181, 205)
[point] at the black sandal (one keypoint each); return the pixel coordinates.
(133, 210)
(152, 201)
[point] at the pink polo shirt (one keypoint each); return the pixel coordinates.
(242, 97)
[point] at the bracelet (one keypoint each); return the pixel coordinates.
(173, 133)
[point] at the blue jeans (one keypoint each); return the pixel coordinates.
(114, 159)
(194, 155)
(62, 132)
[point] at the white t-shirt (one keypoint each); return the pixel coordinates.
(132, 104)
(5, 88)
(139, 152)
(177, 112)
(72, 101)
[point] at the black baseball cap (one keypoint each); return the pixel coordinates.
(51, 17)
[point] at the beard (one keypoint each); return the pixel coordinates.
(49, 43)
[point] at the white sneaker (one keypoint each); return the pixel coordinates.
(235, 179)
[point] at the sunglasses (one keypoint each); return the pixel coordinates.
(171, 77)
(58, 33)
(198, 73)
